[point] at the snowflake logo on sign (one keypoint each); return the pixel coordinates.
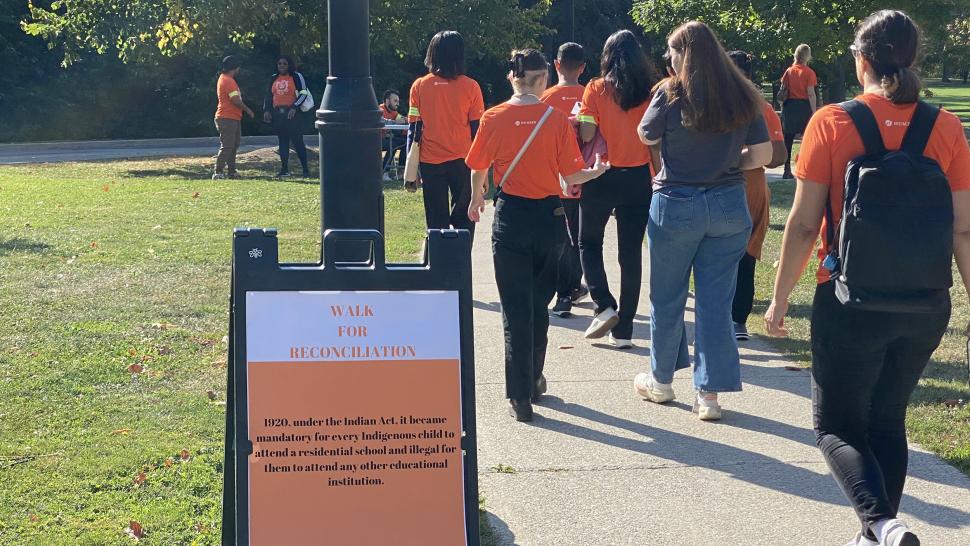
(256, 253)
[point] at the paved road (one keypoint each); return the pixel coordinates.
(95, 150)
(600, 466)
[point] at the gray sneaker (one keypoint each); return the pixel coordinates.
(741, 332)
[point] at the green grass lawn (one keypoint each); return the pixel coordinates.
(105, 265)
(937, 418)
(954, 96)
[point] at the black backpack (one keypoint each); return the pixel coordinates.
(894, 248)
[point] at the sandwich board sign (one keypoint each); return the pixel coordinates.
(350, 413)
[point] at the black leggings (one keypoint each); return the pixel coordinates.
(290, 133)
(744, 294)
(865, 366)
(440, 179)
(789, 144)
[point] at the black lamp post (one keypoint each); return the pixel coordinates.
(349, 124)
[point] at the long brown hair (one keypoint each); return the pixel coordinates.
(715, 96)
(890, 41)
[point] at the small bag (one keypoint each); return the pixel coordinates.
(518, 156)
(308, 104)
(412, 177)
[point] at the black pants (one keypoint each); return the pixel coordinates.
(527, 238)
(789, 144)
(626, 193)
(865, 365)
(744, 294)
(570, 274)
(290, 133)
(439, 179)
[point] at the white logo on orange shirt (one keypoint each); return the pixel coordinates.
(440, 83)
(891, 123)
(282, 87)
(518, 123)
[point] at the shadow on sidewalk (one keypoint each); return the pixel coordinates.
(498, 532)
(741, 464)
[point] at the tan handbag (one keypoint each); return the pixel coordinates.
(412, 176)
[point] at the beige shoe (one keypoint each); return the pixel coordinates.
(649, 388)
(706, 406)
(602, 323)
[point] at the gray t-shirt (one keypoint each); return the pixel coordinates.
(695, 158)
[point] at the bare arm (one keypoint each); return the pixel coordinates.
(479, 180)
(644, 139)
(801, 232)
(587, 131)
(237, 100)
(586, 175)
(812, 99)
(755, 156)
(961, 234)
(778, 154)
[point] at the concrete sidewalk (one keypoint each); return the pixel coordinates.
(600, 466)
(97, 150)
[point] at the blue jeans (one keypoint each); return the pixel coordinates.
(705, 230)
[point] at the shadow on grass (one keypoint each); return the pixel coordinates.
(19, 244)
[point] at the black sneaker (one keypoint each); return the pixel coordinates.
(539, 389)
(563, 307)
(580, 293)
(741, 332)
(787, 175)
(283, 174)
(306, 173)
(521, 410)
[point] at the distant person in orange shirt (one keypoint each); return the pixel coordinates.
(445, 109)
(866, 361)
(566, 96)
(229, 118)
(392, 143)
(614, 104)
(759, 201)
(799, 100)
(529, 228)
(282, 108)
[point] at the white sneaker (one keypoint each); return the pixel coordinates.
(602, 323)
(387, 178)
(894, 532)
(621, 343)
(706, 406)
(649, 388)
(860, 540)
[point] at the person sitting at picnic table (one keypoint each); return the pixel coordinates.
(392, 142)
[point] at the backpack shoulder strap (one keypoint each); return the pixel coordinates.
(920, 128)
(865, 123)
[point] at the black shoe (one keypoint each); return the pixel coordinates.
(741, 332)
(787, 175)
(283, 174)
(580, 293)
(306, 173)
(539, 389)
(563, 307)
(521, 410)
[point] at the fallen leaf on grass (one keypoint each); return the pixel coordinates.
(94, 244)
(211, 394)
(200, 528)
(34, 518)
(105, 188)
(164, 350)
(169, 462)
(207, 343)
(195, 195)
(134, 530)
(566, 347)
(157, 227)
(140, 479)
(184, 455)
(163, 325)
(146, 358)
(33, 354)
(793, 368)
(132, 353)
(135, 369)
(122, 431)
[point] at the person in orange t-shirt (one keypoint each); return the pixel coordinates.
(614, 104)
(798, 83)
(229, 118)
(445, 108)
(566, 97)
(282, 107)
(759, 200)
(392, 143)
(528, 230)
(866, 363)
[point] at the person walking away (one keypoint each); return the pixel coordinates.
(759, 200)
(799, 100)
(392, 143)
(443, 118)
(281, 108)
(879, 310)
(228, 118)
(707, 120)
(529, 145)
(566, 97)
(614, 105)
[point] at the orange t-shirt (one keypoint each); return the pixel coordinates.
(387, 114)
(284, 91)
(565, 98)
(618, 127)
(798, 78)
(756, 187)
(554, 152)
(446, 108)
(225, 90)
(831, 141)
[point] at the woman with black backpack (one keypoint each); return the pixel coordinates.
(882, 302)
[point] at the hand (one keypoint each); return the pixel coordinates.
(291, 114)
(400, 119)
(600, 166)
(412, 185)
(775, 318)
(476, 208)
(573, 190)
(250, 113)
(267, 117)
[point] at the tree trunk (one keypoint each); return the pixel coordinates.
(837, 86)
(945, 67)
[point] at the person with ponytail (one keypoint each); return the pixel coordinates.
(799, 100)
(867, 362)
(529, 145)
(614, 104)
(707, 120)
